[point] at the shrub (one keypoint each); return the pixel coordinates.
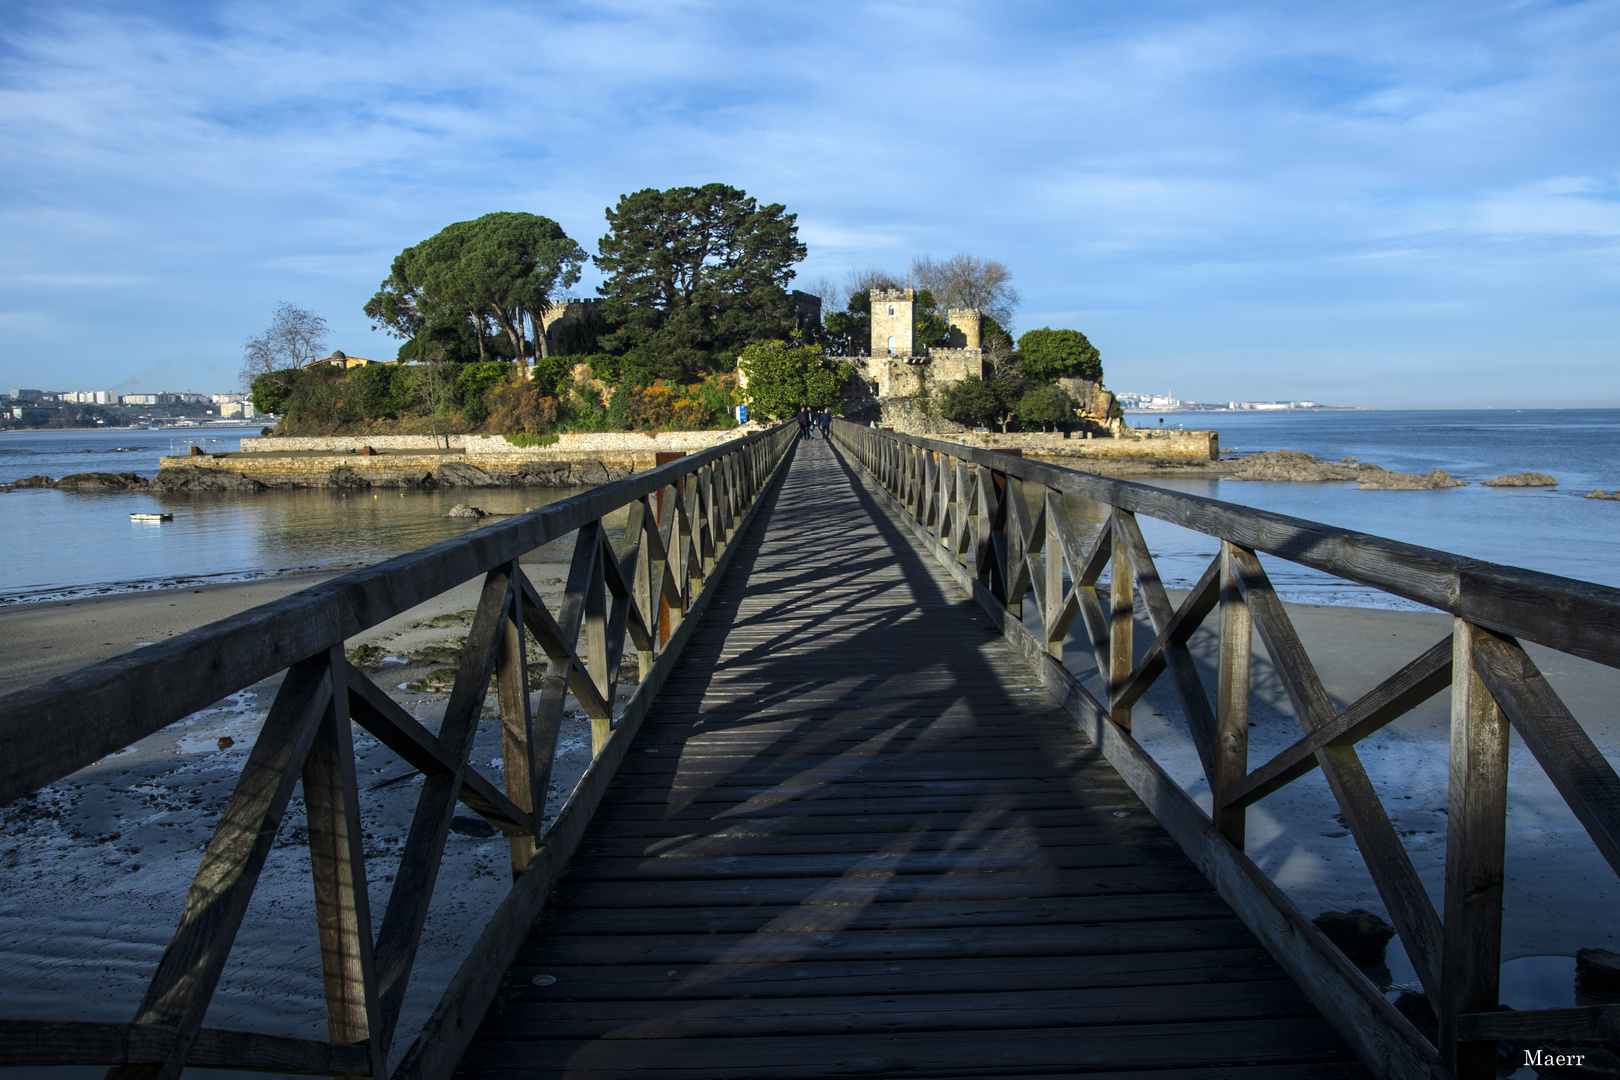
(474, 382)
(521, 408)
(1045, 406)
(783, 377)
(970, 402)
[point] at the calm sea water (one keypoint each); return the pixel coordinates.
(1555, 530)
(59, 542)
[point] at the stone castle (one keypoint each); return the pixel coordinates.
(900, 383)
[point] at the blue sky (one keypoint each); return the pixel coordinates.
(1388, 204)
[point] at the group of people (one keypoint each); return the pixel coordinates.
(810, 419)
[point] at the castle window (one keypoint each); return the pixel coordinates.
(891, 309)
(891, 345)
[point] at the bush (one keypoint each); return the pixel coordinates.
(270, 392)
(521, 409)
(369, 391)
(474, 383)
(1045, 406)
(551, 373)
(970, 402)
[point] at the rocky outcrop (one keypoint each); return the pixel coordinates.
(1290, 466)
(461, 474)
(191, 478)
(1374, 478)
(1523, 479)
(1293, 466)
(34, 482)
(1595, 493)
(100, 481)
(462, 510)
(1361, 935)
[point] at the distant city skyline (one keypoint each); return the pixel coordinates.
(1386, 204)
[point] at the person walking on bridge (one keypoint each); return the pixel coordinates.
(804, 421)
(826, 423)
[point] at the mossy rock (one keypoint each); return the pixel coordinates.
(437, 681)
(453, 618)
(365, 655)
(438, 654)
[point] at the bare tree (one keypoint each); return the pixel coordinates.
(294, 338)
(870, 278)
(964, 280)
(833, 297)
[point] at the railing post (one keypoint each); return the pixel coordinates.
(1476, 833)
(517, 725)
(1052, 553)
(1121, 626)
(1231, 758)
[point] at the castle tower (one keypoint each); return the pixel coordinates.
(894, 322)
(965, 326)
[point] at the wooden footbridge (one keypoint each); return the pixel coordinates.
(856, 818)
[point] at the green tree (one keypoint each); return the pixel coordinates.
(971, 402)
(781, 377)
(694, 274)
(370, 389)
(1045, 406)
(1049, 354)
(849, 332)
(500, 269)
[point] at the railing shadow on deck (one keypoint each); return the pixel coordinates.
(646, 594)
(972, 509)
(821, 660)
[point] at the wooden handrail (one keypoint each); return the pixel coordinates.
(683, 519)
(970, 508)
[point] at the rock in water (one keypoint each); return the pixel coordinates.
(1595, 493)
(462, 510)
(1361, 935)
(1374, 478)
(100, 481)
(191, 478)
(34, 482)
(1523, 479)
(1289, 466)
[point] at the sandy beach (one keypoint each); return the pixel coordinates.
(123, 836)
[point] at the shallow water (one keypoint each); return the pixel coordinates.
(1554, 530)
(61, 543)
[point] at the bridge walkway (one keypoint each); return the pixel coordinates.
(855, 838)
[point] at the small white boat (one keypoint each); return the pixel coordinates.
(151, 517)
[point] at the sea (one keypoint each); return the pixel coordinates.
(61, 544)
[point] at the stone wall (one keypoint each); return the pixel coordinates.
(476, 445)
(1190, 445)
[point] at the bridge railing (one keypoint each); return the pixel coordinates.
(643, 594)
(999, 523)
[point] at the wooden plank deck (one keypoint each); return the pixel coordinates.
(855, 838)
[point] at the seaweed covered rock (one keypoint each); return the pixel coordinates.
(1374, 478)
(1290, 466)
(1523, 479)
(100, 481)
(191, 478)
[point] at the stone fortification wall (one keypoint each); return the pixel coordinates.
(584, 441)
(252, 472)
(1190, 445)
